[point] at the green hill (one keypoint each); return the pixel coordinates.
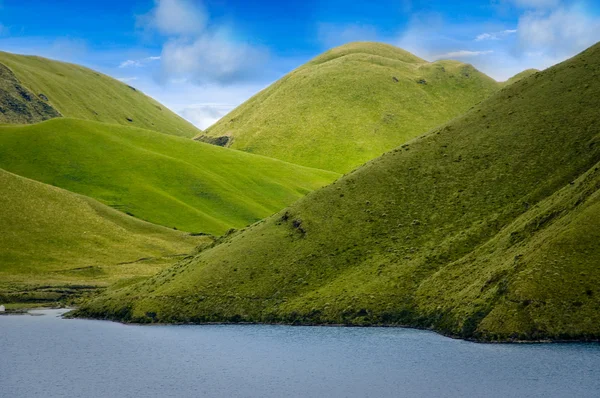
(166, 180)
(519, 76)
(52, 236)
(350, 105)
(78, 92)
(484, 228)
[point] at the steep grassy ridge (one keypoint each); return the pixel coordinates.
(52, 236)
(350, 105)
(82, 93)
(170, 181)
(484, 228)
(18, 104)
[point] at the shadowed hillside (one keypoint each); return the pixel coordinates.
(350, 105)
(78, 92)
(484, 228)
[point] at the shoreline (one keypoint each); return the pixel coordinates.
(341, 325)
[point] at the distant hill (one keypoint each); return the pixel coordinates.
(350, 105)
(50, 235)
(485, 228)
(519, 76)
(166, 180)
(78, 92)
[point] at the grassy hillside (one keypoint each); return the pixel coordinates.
(170, 181)
(54, 237)
(82, 93)
(484, 228)
(18, 104)
(520, 76)
(350, 105)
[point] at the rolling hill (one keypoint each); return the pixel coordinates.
(52, 236)
(484, 228)
(78, 92)
(350, 105)
(170, 181)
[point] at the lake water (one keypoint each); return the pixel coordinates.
(46, 356)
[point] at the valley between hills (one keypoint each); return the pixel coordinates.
(366, 187)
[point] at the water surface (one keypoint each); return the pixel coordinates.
(46, 356)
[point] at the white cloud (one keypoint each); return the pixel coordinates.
(205, 115)
(332, 35)
(561, 33)
(212, 57)
(69, 48)
(128, 63)
(138, 63)
(176, 17)
(201, 105)
(495, 35)
(127, 79)
(196, 50)
(463, 54)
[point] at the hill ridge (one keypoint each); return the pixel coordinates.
(83, 93)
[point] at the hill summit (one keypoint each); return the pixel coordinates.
(350, 105)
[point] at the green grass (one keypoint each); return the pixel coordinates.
(520, 75)
(52, 237)
(82, 93)
(166, 180)
(350, 105)
(485, 228)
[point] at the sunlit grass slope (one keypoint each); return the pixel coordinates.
(486, 228)
(52, 236)
(82, 93)
(350, 105)
(170, 181)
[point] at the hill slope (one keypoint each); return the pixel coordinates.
(485, 228)
(55, 236)
(78, 92)
(350, 105)
(520, 76)
(166, 180)
(18, 104)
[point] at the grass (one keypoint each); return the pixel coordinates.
(166, 180)
(79, 92)
(53, 241)
(519, 76)
(350, 105)
(485, 228)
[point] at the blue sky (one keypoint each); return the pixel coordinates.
(204, 57)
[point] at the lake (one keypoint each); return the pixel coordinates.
(47, 356)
